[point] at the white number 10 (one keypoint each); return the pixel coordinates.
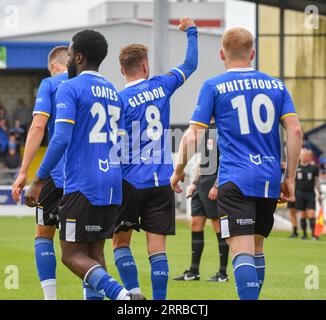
(239, 103)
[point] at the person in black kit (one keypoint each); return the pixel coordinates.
(203, 193)
(307, 180)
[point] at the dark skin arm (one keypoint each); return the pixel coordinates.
(33, 192)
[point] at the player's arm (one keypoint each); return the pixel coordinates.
(195, 180)
(190, 63)
(198, 124)
(187, 149)
(291, 124)
(293, 148)
(177, 76)
(42, 111)
(64, 124)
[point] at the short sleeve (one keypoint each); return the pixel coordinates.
(66, 104)
(121, 122)
(205, 106)
(316, 173)
(288, 108)
(43, 103)
(173, 80)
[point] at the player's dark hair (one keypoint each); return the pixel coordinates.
(92, 45)
(59, 54)
(132, 56)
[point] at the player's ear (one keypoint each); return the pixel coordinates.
(222, 55)
(122, 71)
(146, 67)
(50, 67)
(79, 58)
(252, 54)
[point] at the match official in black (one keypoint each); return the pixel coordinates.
(203, 193)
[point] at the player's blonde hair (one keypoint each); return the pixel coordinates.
(131, 57)
(58, 54)
(237, 43)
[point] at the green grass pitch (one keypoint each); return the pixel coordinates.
(285, 279)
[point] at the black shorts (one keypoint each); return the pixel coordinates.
(150, 209)
(305, 200)
(48, 204)
(241, 215)
(200, 204)
(80, 221)
(291, 205)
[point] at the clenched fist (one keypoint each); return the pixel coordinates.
(186, 23)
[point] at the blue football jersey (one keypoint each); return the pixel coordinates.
(146, 105)
(92, 166)
(45, 104)
(248, 107)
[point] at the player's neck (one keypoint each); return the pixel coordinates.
(93, 69)
(305, 163)
(58, 71)
(134, 78)
(237, 64)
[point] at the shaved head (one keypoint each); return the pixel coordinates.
(237, 44)
(59, 55)
(57, 60)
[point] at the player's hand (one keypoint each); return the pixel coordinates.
(287, 191)
(175, 179)
(191, 191)
(33, 192)
(213, 193)
(18, 186)
(320, 199)
(186, 23)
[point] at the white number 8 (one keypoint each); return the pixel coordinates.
(153, 117)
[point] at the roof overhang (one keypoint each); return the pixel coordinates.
(298, 5)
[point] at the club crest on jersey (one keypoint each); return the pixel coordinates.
(104, 165)
(255, 159)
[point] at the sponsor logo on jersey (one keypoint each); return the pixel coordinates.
(61, 105)
(255, 159)
(104, 165)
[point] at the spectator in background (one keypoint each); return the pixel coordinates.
(19, 132)
(12, 143)
(12, 159)
(3, 112)
(3, 138)
(3, 125)
(23, 113)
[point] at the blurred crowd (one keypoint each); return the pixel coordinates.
(13, 130)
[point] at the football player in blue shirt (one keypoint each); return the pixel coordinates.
(88, 124)
(47, 208)
(248, 107)
(148, 201)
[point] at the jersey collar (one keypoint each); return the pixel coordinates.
(93, 73)
(133, 83)
(241, 69)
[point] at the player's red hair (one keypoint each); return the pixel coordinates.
(237, 43)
